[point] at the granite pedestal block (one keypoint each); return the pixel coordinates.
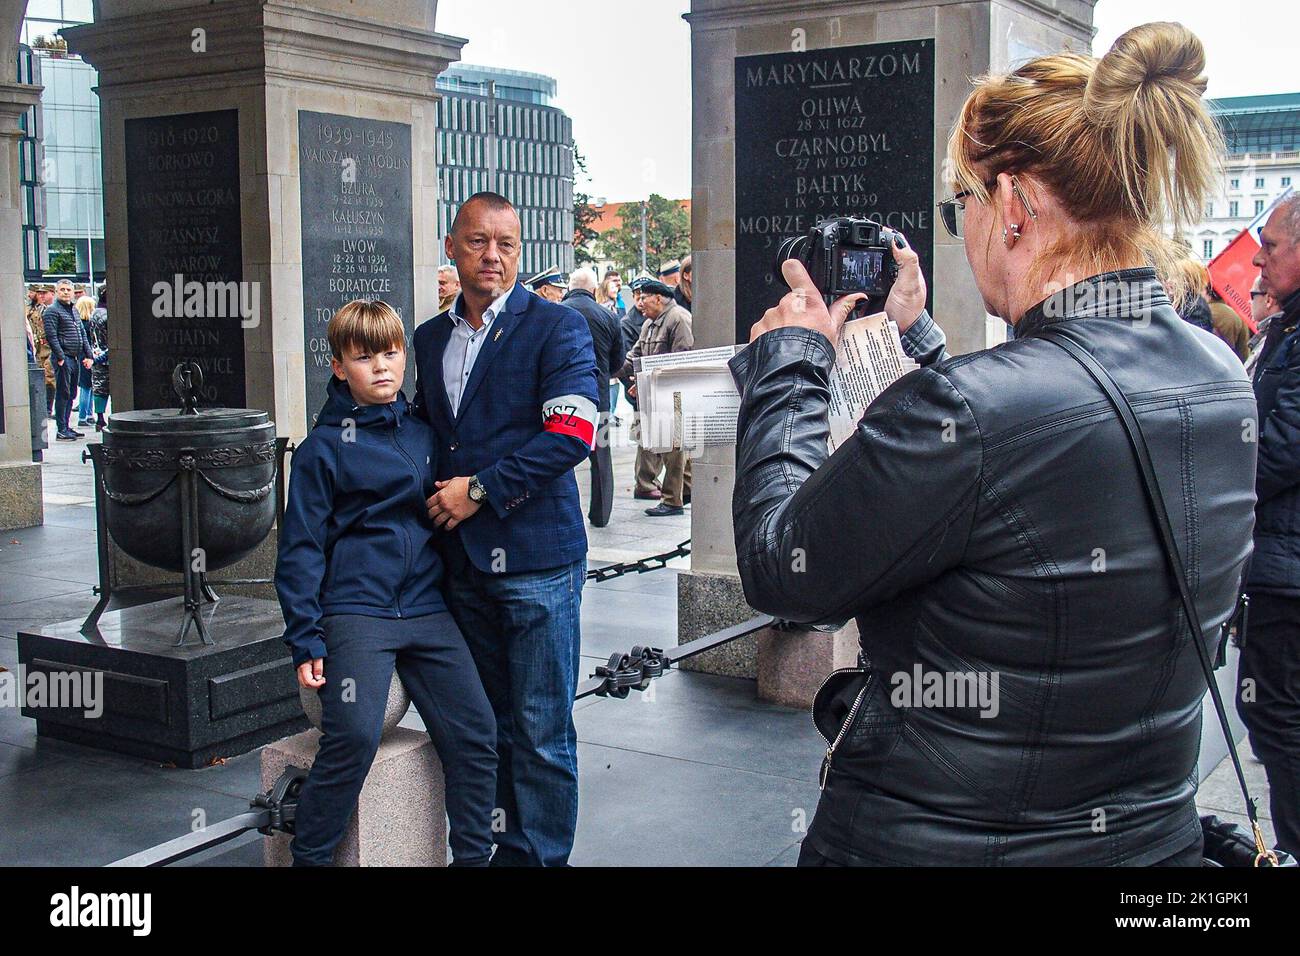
(182, 705)
(400, 818)
(707, 603)
(793, 664)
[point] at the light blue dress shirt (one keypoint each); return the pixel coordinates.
(463, 347)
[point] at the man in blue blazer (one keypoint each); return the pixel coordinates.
(508, 383)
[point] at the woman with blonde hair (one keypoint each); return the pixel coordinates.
(1027, 692)
(85, 307)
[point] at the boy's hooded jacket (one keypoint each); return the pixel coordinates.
(356, 536)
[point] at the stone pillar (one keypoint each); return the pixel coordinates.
(207, 177)
(897, 72)
(20, 478)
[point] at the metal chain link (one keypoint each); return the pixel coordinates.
(653, 563)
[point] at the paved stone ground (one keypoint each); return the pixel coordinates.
(698, 773)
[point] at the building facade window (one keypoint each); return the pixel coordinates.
(1286, 181)
(1259, 206)
(1259, 182)
(1234, 184)
(1207, 249)
(1232, 210)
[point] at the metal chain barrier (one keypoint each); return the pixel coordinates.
(275, 810)
(653, 563)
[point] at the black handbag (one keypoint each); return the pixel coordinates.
(1226, 844)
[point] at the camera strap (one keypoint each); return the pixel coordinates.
(1155, 500)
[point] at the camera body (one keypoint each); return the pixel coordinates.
(845, 255)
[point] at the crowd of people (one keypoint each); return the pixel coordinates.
(67, 336)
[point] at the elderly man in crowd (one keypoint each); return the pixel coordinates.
(448, 287)
(1269, 677)
(667, 329)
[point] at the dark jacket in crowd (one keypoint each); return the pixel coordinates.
(356, 536)
(987, 520)
(606, 339)
(630, 326)
(1276, 564)
(679, 296)
(1197, 312)
(99, 348)
(1230, 327)
(65, 333)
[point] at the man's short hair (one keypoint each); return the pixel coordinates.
(369, 324)
(494, 201)
(449, 270)
(63, 282)
(1290, 209)
(583, 279)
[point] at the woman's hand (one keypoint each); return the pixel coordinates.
(803, 308)
(312, 674)
(906, 299)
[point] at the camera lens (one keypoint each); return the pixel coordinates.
(791, 248)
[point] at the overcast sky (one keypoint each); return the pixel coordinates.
(623, 68)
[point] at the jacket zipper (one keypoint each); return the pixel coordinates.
(848, 721)
(406, 573)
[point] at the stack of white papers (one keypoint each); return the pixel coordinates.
(870, 358)
(687, 400)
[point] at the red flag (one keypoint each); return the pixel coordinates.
(1232, 275)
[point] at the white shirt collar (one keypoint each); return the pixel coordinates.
(489, 314)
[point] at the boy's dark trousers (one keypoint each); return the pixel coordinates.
(438, 672)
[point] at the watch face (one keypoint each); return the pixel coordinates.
(476, 491)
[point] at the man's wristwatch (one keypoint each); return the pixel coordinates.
(477, 493)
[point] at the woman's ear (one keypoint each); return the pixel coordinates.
(1004, 200)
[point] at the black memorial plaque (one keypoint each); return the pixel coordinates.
(356, 229)
(188, 300)
(845, 131)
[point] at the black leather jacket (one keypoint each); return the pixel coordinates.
(1275, 566)
(987, 520)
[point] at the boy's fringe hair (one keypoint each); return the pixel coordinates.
(369, 324)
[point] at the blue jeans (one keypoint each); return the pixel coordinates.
(436, 669)
(523, 630)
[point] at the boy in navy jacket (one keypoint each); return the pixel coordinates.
(359, 580)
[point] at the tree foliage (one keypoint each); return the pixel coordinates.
(668, 235)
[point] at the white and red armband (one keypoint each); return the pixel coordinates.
(573, 415)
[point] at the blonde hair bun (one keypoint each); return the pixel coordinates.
(1154, 54)
(1145, 94)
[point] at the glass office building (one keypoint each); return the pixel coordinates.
(498, 130)
(68, 174)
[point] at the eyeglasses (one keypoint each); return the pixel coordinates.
(1257, 294)
(952, 212)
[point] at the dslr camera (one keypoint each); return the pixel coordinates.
(844, 255)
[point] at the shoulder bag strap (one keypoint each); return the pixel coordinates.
(1137, 441)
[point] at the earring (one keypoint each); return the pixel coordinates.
(1015, 233)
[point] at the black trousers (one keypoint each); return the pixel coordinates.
(1268, 700)
(602, 477)
(602, 486)
(65, 395)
